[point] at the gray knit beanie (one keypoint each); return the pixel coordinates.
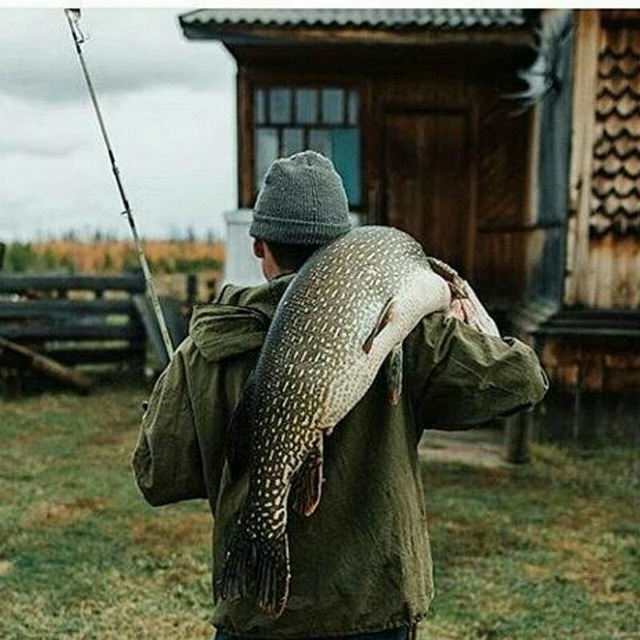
(302, 201)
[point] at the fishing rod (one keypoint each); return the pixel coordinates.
(73, 17)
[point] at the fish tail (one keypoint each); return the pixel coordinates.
(258, 568)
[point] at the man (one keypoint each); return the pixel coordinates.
(361, 563)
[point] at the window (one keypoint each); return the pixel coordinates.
(325, 119)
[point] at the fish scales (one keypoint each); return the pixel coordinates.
(312, 370)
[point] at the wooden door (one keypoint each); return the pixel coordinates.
(427, 186)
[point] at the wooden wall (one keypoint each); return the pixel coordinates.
(604, 226)
(593, 398)
(590, 348)
(594, 367)
(546, 254)
(498, 158)
(612, 273)
(455, 80)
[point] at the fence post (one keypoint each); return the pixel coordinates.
(192, 288)
(518, 436)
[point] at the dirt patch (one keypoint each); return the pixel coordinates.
(581, 560)
(587, 515)
(53, 514)
(175, 531)
(110, 438)
(5, 567)
(481, 448)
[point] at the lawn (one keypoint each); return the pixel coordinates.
(550, 551)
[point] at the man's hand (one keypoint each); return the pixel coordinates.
(465, 305)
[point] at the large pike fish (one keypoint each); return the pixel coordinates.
(346, 312)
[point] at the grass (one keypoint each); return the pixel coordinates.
(81, 556)
(547, 551)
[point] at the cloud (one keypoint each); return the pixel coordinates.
(175, 149)
(30, 128)
(126, 50)
(169, 109)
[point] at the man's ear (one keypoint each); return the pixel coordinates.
(258, 248)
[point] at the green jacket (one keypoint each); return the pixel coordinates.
(362, 561)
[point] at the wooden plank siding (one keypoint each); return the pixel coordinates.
(594, 367)
(603, 240)
(590, 347)
(585, 74)
(504, 194)
(612, 273)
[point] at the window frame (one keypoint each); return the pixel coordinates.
(248, 186)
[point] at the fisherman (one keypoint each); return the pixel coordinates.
(361, 563)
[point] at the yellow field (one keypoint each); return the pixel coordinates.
(108, 256)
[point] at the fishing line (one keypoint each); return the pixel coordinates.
(73, 17)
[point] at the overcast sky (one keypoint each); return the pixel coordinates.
(169, 109)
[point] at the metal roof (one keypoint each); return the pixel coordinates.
(431, 19)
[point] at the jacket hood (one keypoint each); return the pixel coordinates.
(237, 321)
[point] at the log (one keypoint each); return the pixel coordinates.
(24, 359)
(132, 353)
(14, 283)
(46, 308)
(74, 332)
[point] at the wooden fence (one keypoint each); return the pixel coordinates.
(75, 319)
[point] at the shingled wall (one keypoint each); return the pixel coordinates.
(604, 219)
(615, 206)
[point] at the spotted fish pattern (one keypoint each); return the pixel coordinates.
(346, 311)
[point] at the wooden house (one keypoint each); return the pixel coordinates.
(465, 128)
(591, 344)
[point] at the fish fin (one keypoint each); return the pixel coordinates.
(381, 323)
(306, 484)
(258, 568)
(394, 374)
(239, 432)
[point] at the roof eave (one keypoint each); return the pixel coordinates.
(261, 34)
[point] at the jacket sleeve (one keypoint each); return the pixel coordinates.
(459, 377)
(167, 461)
